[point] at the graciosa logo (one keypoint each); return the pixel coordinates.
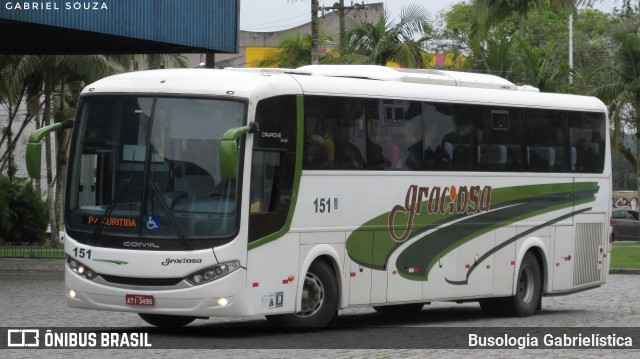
(180, 261)
(439, 200)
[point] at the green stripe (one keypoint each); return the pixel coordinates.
(527, 201)
(296, 181)
(426, 251)
(112, 261)
(509, 241)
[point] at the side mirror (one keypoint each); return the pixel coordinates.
(229, 150)
(33, 156)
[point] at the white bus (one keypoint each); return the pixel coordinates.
(199, 193)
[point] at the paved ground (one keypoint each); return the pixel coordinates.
(33, 298)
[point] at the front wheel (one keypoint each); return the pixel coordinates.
(319, 300)
(528, 289)
(166, 321)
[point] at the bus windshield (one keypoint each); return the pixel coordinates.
(148, 167)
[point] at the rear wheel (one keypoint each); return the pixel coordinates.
(166, 321)
(528, 289)
(319, 300)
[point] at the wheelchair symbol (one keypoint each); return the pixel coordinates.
(151, 224)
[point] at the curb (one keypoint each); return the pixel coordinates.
(624, 271)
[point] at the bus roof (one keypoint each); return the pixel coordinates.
(344, 80)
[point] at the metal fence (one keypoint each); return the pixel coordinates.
(30, 250)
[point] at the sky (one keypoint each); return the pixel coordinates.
(275, 15)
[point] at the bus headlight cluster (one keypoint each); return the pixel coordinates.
(212, 273)
(81, 269)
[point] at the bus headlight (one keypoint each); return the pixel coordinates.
(212, 273)
(81, 269)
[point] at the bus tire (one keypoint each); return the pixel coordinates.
(399, 309)
(528, 289)
(166, 321)
(319, 300)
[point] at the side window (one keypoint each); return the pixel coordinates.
(545, 140)
(334, 133)
(461, 138)
(499, 137)
(272, 166)
(587, 139)
(392, 128)
(428, 148)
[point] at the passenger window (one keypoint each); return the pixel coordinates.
(433, 150)
(461, 138)
(587, 138)
(334, 133)
(499, 137)
(392, 126)
(545, 140)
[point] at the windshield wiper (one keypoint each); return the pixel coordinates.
(107, 213)
(176, 227)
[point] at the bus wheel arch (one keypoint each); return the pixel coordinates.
(318, 300)
(537, 246)
(327, 254)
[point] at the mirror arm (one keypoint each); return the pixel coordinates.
(229, 150)
(34, 147)
(234, 133)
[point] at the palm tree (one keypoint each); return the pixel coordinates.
(46, 74)
(294, 50)
(496, 57)
(384, 41)
(536, 67)
(622, 93)
(315, 25)
(491, 12)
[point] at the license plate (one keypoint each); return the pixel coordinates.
(139, 299)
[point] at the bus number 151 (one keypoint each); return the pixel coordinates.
(323, 205)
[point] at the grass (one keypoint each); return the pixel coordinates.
(31, 251)
(625, 255)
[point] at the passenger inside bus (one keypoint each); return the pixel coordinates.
(586, 158)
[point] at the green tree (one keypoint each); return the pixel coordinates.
(10, 100)
(27, 215)
(496, 57)
(384, 40)
(622, 92)
(538, 55)
(490, 12)
(536, 66)
(294, 50)
(49, 74)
